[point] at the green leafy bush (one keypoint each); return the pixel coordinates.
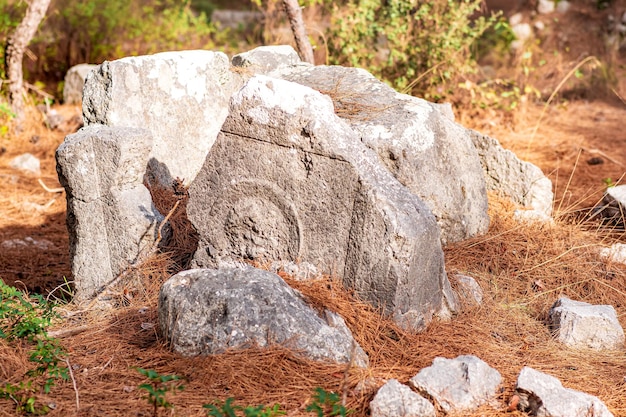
(25, 318)
(418, 47)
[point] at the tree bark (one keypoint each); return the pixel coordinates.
(294, 13)
(14, 54)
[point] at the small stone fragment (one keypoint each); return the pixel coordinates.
(543, 395)
(459, 385)
(397, 400)
(582, 325)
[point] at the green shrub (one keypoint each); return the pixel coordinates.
(26, 318)
(418, 47)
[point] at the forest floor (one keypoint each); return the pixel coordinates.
(578, 140)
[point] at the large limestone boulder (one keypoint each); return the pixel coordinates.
(206, 311)
(289, 180)
(418, 143)
(110, 215)
(180, 97)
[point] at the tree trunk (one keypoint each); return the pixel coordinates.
(294, 13)
(14, 54)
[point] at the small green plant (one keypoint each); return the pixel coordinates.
(608, 182)
(227, 409)
(327, 403)
(26, 317)
(158, 387)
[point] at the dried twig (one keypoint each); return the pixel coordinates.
(69, 367)
(48, 189)
(59, 334)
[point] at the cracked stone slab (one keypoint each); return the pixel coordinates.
(180, 97)
(417, 141)
(110, 215)
(288, 180)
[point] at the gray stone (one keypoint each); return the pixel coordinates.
(468, 290)
(397, 400)
(110, 215)
(459, 385)
(543, 395)
(74, 83)
(289, 180)
(582, 325)
(264, 59)
(613, 204)
(417, 141)
(236, 19)
(180, 97)
(206, 311)
(27, 163)
(505, 173)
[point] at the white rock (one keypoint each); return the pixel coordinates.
(545, 6)
(563, 6)
(544, 395)
(27, 242)
(397, 400)
(26, 163)
(615, 253)
(582, 325)
(516, 19)
(459, 385)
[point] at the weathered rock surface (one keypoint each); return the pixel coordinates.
(460, 384)
(543, 395)
(521, 181)
(110, 215)
(74, 83)
(582, 325)
(265, 59)
(415, 140)
(468, 290)
(397, 400)
(289, 180)
(180, 97)
(206, 311)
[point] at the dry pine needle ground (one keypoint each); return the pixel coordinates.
(522, 269)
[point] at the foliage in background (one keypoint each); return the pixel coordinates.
(25, 318)
(92, 31)
(419, 48)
